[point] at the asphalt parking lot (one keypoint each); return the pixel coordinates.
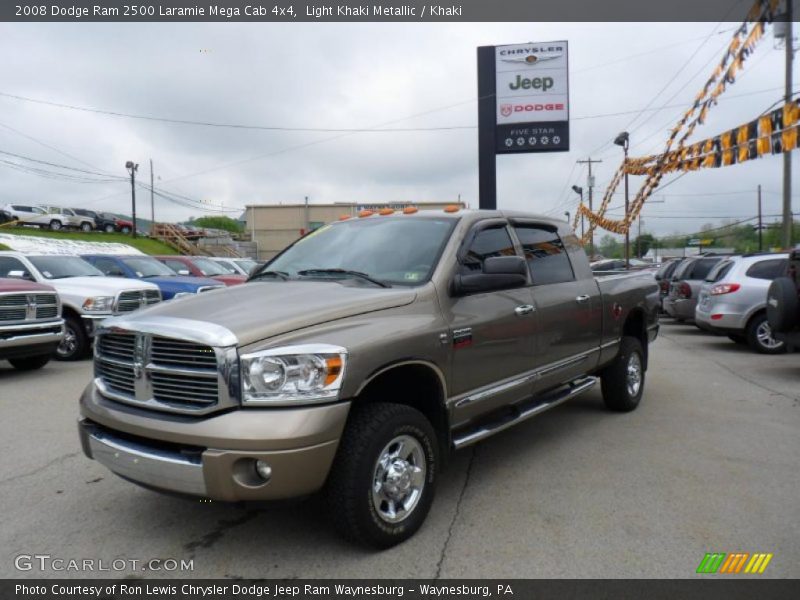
(708, 463)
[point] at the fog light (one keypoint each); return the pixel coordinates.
(264, 470)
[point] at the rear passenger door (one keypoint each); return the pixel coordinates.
(568, 307)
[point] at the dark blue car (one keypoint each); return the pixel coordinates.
(149, 269)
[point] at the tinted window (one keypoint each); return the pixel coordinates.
(9, 263)
(108, 266)
(19, 208)
(682, 268)
(61, 267)
(702, 268)
(767, 269)
(487, 243)
(547, 258)
(176, 265)
(665, 270)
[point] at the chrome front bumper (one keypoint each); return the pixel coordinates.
(169, 470)
(32, 334)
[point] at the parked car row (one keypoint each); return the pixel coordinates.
(52, 304)
(57, 218)
(724, 295)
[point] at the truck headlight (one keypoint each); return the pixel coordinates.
(98, 304)
(304, 374)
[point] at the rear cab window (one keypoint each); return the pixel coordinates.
(545, 253)
(702, 267)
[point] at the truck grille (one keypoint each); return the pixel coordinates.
(28, 307)
(159, 372)
(133, 300)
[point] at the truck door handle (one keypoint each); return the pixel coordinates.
(582, 299)
(524, 309)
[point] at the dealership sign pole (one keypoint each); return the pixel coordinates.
(523, 106)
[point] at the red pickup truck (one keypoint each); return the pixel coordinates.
(31, 326)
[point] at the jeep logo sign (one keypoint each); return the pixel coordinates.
(532, 103)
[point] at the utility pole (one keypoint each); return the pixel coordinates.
(787, 156)
(590, 184)
(760, 226)
(132, 168)
(639, 238)
(152, 201)
(306, 220)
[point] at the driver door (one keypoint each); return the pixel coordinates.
(491, 333)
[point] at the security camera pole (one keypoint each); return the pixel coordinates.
(132, 168)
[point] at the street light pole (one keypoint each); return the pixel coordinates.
(787, 156)
(579, 190)
(132, 168)
(623, 139)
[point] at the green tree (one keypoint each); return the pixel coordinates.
(609, 247)
(224, 223)
(642, 244)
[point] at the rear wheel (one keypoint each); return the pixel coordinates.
(622, 382)
(86, 226)
(30, 363)
(383, 478)
(56, 225)
(109, 228)
(75, 343)
(760, 338)
(125, 229)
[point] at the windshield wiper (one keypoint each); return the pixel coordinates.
(278, 274)
(359, 274)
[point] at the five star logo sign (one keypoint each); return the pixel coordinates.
(532, 59)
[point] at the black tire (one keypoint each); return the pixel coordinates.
(759, 336)
(109, 228)
(85, 226)
(75, 344)
(56, 225)
(617, 394)
(783, 305)
(30, 363)
(738, 338)
(370, 430)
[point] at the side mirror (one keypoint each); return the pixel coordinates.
(19, 275)
(499, 273)
(183, 272)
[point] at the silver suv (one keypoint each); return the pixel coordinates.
(733, 300)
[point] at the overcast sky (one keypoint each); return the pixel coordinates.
(335, 75)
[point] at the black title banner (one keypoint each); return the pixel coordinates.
(371, 10)
(452, 589)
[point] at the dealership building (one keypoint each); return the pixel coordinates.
(275, 226)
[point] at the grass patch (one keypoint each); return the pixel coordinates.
(142, 244)
(4, 247)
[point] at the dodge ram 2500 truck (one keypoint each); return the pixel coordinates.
(358, 358)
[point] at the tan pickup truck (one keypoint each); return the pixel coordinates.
(356, 360)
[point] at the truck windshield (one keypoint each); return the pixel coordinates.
(149, 267)
(209, 268)
(60, 267)
(393, 250)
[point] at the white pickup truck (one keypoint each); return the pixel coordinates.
(87, 296)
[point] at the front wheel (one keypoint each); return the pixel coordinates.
(56, 225)
(622, 382)
(109, 228)
(30, 363)
(86, 226)
(125, 229)
(75, 343)
(383, 479)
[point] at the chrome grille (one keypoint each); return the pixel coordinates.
(28, 307)
(135, 299)
(160, 372)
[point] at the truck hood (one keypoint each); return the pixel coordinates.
(98, 286)
(181, 283)
(261, 309)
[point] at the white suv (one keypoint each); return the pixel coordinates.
(35, 215)
(70, 218)
(87, 296)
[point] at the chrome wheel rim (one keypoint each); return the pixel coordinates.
(399, 479)
(634, 374)
(68, 343)
(765, 338)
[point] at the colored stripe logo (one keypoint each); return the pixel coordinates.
(734, 563)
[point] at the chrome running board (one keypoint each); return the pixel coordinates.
(523, 411)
